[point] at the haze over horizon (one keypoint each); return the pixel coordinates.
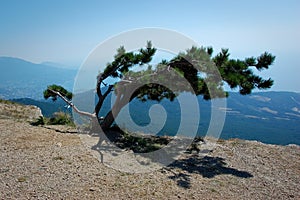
(67, 31)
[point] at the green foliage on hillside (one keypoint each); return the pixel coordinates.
(58, 118)
(61, 118)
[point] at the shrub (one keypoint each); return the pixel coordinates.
(40, 121)
(61, 118)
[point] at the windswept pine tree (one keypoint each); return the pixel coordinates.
(203, 74)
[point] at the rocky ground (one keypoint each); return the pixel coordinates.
(54, 163)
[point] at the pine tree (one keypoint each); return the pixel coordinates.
(204, 73)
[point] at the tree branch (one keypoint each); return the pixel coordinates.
(110, 87)
(87, 114)
(104, 76)
(133, 80)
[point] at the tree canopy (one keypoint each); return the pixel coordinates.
(52, 90)
(205, 75)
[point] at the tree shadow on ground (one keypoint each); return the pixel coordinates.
(182, 169)
(207, 166)
(136, 142)
(60, 129)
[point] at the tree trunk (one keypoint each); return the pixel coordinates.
(98, 106)
(95, 126)
(108, 121)
(120, 102)
(111, 115)
(101, 98)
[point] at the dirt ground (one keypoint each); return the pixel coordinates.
(54, 163)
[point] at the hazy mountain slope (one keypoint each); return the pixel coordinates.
(20, 78)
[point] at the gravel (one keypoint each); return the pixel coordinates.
(54, 163)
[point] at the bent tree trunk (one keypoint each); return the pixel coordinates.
(107, 121)
(123, 98)
(113, 113)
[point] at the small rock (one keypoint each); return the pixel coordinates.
(59, 144)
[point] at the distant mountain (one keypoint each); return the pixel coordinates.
(269, 117)
(53, 64)
(20, 78)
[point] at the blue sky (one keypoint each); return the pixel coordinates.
(66, 31)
